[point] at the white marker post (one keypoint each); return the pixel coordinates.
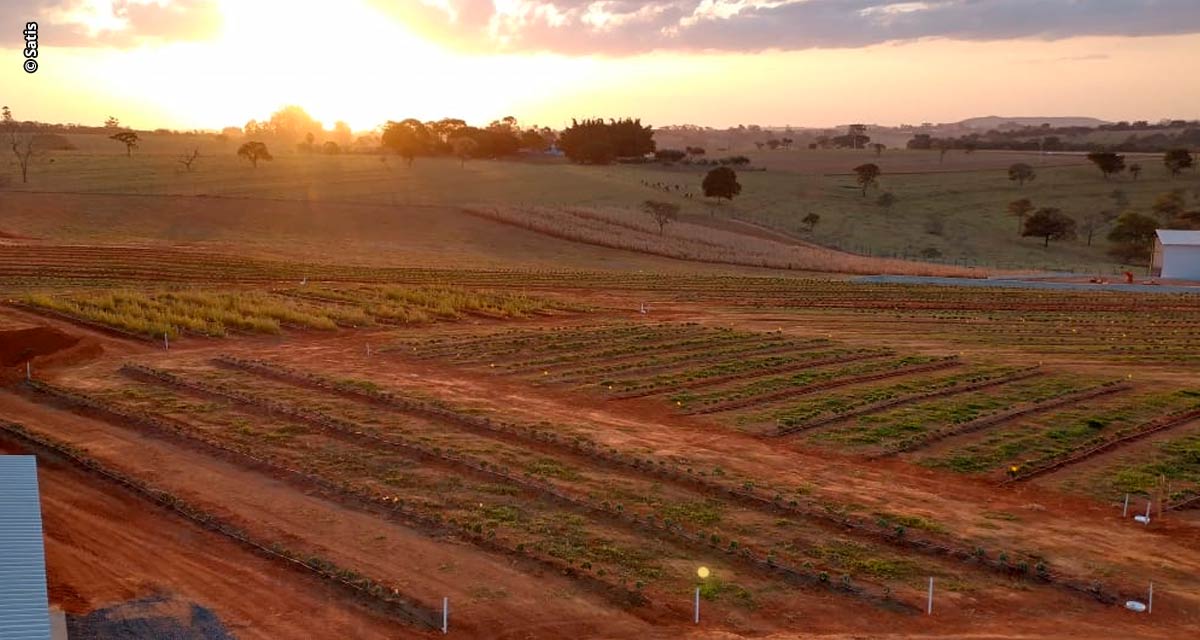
(166, 343)
(1150, 600)
(445, 615)
(929, 605)
(28, 372)
(696, 617)
(1125, 509)
(368, 349)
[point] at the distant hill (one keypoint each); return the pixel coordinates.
(993, 122)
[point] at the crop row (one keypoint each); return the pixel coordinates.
(427, 303)
(655, 363)
(631, 342)
(875, 400)
(747, 493)
(672, 531)
(773, 389)
(738, 369)
(370, 500)
(388, 597)
(530, 339)
(568, 356)
(1049, 464)
(983, 422)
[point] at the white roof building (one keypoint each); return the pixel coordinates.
(1176, 254)
(24, 612)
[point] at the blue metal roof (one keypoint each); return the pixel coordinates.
(24, 606)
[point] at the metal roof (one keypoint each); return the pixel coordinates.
(24, 606)
(1177, 237)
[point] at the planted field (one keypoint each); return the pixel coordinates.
(914, 424)
(1166, 468)
(208, 313)
(1034, 443)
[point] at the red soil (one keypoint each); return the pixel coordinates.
(43, 346)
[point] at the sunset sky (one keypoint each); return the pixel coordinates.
(213, 63)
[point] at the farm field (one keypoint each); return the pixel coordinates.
(951, 212)
(551, 434)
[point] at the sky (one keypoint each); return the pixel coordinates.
(187, 64)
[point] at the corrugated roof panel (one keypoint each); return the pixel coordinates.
(1178, 236)
(24, 605)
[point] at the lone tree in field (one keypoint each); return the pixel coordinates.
(1176, 160)
(464, 148)
(663, 213)
(1133, 236)
(868, 175)
(21, 143)
(721, 182)
(127, 138)
(1135, 170)
(1107, 162)
(1021, 173)
(878, 147)
(886, 200)
(1019, 209)
(409, 138)
(810, 221)
(254, 151)
(112, 123)
(189, 158)
(1049, 223)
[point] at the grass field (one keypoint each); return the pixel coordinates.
(955, 208)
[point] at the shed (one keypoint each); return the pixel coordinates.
(1176, 254)
(24, 605)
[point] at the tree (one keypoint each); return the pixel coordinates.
(112, 123)
(127, 138)
(1170, 205)
(21, 143)
(662, 212)
(188, 158)
(463, 148)
(1133, 236)
(1049, 223)
(599, 142)
(1092, 223)
(288, 126)
(342, 135)
(1176, 160)
(331, 148)
(1020, 209)
(1107, 162)
(810, 221)
(878, 147)
(409, 138)
(721, 183)
(886, 200)
(867, 175)
(1021, 173)
(669, 155)
(857, 136)
(254, 151)
(1135, 169)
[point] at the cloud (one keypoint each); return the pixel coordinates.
(620, 27)
(111, 23)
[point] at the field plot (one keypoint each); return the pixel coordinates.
(214, 314)
(619, 527)
(917, 424)
(1163, 467)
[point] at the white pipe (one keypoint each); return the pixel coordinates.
(696, 617)
(929, 606)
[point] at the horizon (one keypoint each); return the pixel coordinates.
(197, 64)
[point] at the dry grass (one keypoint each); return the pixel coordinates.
(634, 231)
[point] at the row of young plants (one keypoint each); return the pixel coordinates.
(668, 529)
(660, 363)
(471, 344)
(569, 357)
(581, 342)
(426, 303)
(729, 370)
(830, 409)
(745, 492)
(387, 597)
(1057, 433)
(772, 389)
(371, 499)
(1046, 464)
(926, 438)
(914, 420)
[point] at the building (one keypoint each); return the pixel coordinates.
(24, 606)
(1176, 255)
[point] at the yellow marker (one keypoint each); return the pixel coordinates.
(702, 572)
(679, 402)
